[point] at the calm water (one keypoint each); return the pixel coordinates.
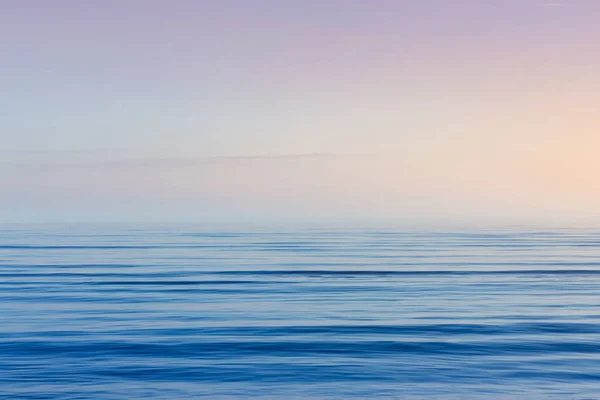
(181, 313)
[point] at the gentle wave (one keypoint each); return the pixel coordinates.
(276, 348)
(179, 313)
(363, 330)
(419, 272)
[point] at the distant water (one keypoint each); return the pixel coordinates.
(182, 313)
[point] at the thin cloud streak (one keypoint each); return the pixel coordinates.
(59, 159)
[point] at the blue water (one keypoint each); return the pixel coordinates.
(185, 312)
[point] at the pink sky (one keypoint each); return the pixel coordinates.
(462, 110)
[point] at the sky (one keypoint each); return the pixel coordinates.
(313, 110)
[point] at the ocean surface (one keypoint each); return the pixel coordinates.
(174, 312)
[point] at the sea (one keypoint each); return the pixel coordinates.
(188, 312)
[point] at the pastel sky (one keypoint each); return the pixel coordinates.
(404, 110)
